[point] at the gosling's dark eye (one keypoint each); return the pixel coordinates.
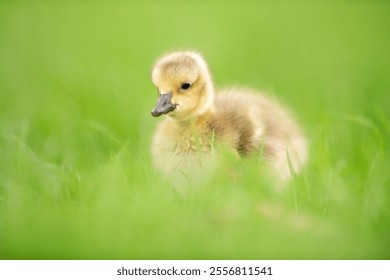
(185, 86)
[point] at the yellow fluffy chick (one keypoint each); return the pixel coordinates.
(197, 119)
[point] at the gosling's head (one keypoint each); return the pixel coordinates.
(184, 86)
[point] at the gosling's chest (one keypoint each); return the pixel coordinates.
(181, 150)
(189, 143)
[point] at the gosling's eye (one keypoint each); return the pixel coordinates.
(185, 86)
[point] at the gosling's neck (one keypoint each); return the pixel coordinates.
(195, 121)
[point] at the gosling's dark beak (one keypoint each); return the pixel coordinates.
(164, 105)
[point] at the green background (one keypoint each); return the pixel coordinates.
(76, 179)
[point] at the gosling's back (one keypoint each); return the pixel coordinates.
(253, 122)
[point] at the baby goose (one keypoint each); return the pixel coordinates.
(197, 118)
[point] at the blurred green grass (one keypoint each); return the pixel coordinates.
(76, 180)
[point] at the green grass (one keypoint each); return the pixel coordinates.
(76, 179)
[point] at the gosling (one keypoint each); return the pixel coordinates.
(197, 120)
